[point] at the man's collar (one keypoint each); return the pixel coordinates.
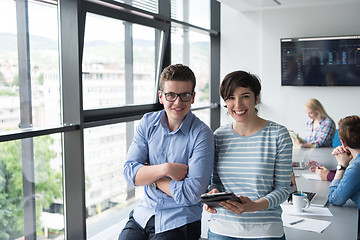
(185, 125)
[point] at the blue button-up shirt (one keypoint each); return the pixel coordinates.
(192, 144)
(348, 187)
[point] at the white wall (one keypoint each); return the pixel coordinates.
(251, 41)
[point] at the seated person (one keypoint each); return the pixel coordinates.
(324, 173)
(171, 155)
(320, 128)
(346, 181)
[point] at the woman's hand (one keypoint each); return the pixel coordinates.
(295, 140)
(314, 165)
(319, 169)
(246, 206)
(206, 207)
(322, 172)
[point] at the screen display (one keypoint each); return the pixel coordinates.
(322, 61)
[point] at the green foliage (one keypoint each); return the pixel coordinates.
(6, 216)
(41, 79)
(205, 96)
(2, 79)
(11, 189)
(8, 92)
(48, 185)
(15, 81)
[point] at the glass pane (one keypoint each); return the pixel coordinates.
(22, 163)
(188, 11)
(9, 76)
(204, 115)
(193, 49)
(109, 199)
(144, 64)
(44, 66)
(118, 63)
(44, 57)
(148, 5)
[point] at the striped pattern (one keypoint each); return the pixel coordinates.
(257, 166)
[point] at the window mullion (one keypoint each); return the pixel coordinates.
(186, 39)
(165, 10)
(71, 24)
(26, 119)
(129, 90)
(215, 64)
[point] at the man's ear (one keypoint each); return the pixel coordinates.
(193, 98)
(342, 143)
(160, 97)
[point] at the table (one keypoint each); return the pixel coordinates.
(320, 155)
(344, 222)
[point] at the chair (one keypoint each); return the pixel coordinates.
(336, 141)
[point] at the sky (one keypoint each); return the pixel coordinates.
(43, 19)
(7, 16)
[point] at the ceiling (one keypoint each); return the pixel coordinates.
(258, 5)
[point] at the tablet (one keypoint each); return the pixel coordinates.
(294, 135)
(214, 198)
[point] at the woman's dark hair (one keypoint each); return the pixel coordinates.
(349, 131)
(237, 79)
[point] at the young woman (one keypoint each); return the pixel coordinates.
(253, 160)
(320, 128)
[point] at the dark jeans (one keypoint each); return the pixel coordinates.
(133, 231)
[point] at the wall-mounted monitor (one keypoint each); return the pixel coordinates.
(320, 61)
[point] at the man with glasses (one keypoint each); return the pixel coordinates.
(172, 156)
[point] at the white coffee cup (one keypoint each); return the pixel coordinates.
(300, 201)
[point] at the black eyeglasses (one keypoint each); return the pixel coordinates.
(171, 97)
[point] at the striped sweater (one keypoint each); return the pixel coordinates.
(256, 166)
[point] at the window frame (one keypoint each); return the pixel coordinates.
(75, 119)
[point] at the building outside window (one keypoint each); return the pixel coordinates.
(120, 58)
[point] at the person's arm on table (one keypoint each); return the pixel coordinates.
(330, 176)
(345, 183)
(343, 158)
(319, 169)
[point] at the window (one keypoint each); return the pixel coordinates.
(44, 102)
(188, 11)
(70, 108)
(148, 5)
(193, 49)
(44, 64)
(9, 78)
(36, 180)
(118, 64)
(108, 195)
